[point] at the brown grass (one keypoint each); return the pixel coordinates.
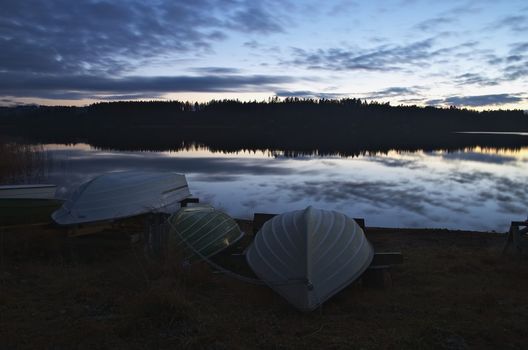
(453, 291)
(22, 163)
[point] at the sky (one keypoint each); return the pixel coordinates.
(470, 53)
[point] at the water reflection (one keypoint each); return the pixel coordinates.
(476, 188)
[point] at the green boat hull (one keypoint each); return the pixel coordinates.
(18, 211)
(201, 232)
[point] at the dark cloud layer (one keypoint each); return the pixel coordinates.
(57, 36)
(307, 94)
(393, 92)
(478, 101)
(60, 49)
(80, 86)
(519, 48)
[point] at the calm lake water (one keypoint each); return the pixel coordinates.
(478, 189)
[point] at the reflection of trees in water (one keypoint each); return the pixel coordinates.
(302, 127)
(23, 163)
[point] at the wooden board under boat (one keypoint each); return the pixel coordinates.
(29, 191)
(16, 211)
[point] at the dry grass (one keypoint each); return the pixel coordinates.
(22, 163)
(453, 291)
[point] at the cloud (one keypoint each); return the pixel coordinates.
(464, 9)
(515, 23)
(128, 97)
(508, 194)
(343, 7)
(478, 100)
(382, 194)
(396, 163)
(79, 86)
(8, 102)
(514, 65)
(308, 94)
(478, 157)
(393, 92)
(51, 49)
(252, 44)
(255, 19)
(474, 79)
(412, 101)
(434, 23)
(514, 58)
(382, 58)
(494, 60)
(514, 72)
(87, 162)
(96, 37)
(472, 178)
(216, 70)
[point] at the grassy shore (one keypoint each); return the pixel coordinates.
(21, 163)
(453, 291)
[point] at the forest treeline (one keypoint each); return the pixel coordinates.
(301, 126)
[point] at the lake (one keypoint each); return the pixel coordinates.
(475, 189)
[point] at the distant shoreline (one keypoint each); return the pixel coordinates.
(347, 126)
(493, 133)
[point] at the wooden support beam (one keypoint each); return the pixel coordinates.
(188, 200)
(517, 237)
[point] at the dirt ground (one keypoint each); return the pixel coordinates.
(454, 290)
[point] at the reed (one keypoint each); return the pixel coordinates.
(22, 163)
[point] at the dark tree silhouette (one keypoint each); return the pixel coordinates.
(299, 126)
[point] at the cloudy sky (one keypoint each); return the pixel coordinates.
(425, 52)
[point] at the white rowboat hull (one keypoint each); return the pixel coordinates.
(120, 195)
(309, 255)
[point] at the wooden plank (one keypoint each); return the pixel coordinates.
(83, 230)
(188, 200)
(519, 223)
(516, 237)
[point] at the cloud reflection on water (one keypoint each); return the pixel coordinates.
(465, 190)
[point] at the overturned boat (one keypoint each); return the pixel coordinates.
(309, 255)
(119, 195)
(199, 232)
(27, 204)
